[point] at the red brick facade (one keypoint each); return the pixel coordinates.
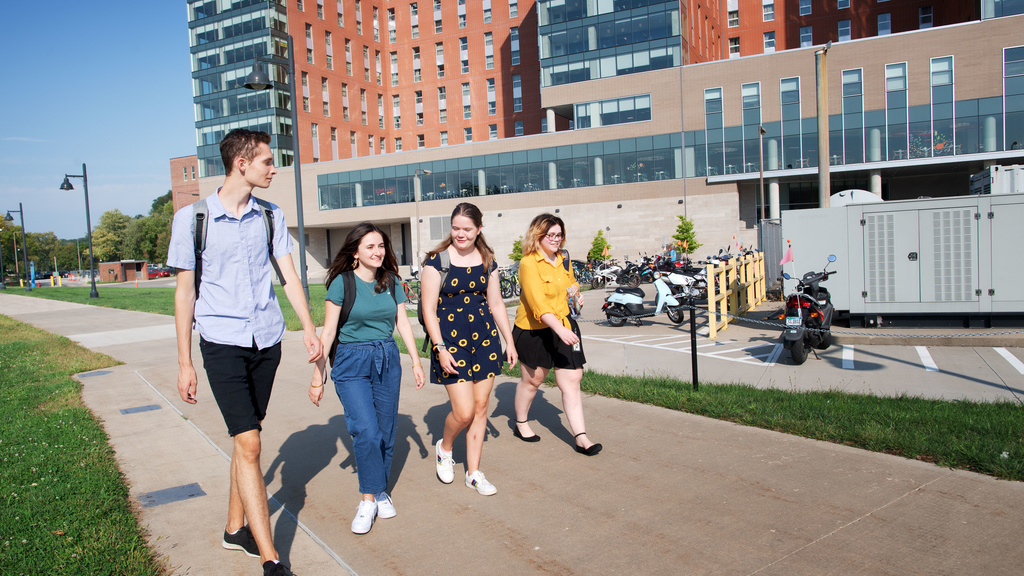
(184, 183)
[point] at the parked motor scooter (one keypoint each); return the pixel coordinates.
(628, 303)
(808, 315)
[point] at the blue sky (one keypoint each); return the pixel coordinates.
(105, 83)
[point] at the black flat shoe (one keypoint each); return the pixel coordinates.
(594, 448)
(517, 434)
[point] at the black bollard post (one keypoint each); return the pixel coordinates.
(693, 343)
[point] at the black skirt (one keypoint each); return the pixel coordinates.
(543, 349)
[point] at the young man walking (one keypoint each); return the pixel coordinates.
(239, 322)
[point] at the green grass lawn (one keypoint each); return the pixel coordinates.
(65, 505)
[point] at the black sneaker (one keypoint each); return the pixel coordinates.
(271, 568)
(241, 540)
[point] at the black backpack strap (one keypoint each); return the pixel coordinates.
(348, 300)
(201, 212)
(565, 259)
(267, 214)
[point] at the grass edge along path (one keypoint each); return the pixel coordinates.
(65, 503)
(983, 437)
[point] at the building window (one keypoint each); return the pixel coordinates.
(849, 149)
(341, 14)
(844, 30)
(468, 134)
(359, 19)
(514, 42)
(437, 17)
(492, 131)
(806, 36)
(768, 12)
(298, 4)
(751, 101)
(941, 132)
(789, 96)
(376, 24)
(466, 111)
(392, 33)
(487, 12)
(416, 75)
(924, 17)
(366, 63)
(394, 68)
(517, 93)
(769, 41)
(462, 21)
(489, 50)
(519, 127)
(348, 57)
(513, 8)
(895, 112)
(544, 125)
(439, 51)
(398, 144)
(380, 111)
(610, 112)
(320, 9)
(840, 4)
(464, 54)
(734, 18)
(714, 135)
(884, 24)
(444, 138)
(1013, 96)
(492, 105)
(414, 20)
(734, 47)
(419, 118)
(805, 7)
(419, 141)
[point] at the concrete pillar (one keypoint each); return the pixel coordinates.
(876, 182)
(874, 145)
(691, 163)
(481, 182)
(772, 162)
(551, 119)
(552, 176)
(988, 135)
(359, 194)
(774, 210)
(598, 171)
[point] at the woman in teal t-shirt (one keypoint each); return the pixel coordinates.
(367, 370)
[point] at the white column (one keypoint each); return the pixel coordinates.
(551, 119)
(772, 162)
(773, 198)
(598, 171)
(876, 182)
(359, 194)
(481, 178)
(691, 163)
(552, 176)
(874, 145)
(988, 134)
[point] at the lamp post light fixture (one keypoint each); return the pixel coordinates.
(760, 163)
(258, 80)
(417, 190)
(24, 246)
(66, 186)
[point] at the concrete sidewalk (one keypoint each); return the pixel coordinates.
(671, 493)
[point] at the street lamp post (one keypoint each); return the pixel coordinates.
(66, 185)
(3, 277)
(821, 78)
(417, 190)
(258, 80)
(760, 163)
(24, 245)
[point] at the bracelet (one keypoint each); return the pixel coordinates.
(315, 386)
(417, 365)
(436, 346)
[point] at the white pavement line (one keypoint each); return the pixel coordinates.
(848, 357)
(1017, 364)
(850, 523)
(270, 496)
(775, 355)
(126, 336)
(663, 338)
(926, 359)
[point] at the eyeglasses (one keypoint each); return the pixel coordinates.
(554, 237)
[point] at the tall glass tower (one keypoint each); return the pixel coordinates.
(226, 37)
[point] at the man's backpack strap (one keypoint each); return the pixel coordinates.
(201, 211)
(445, 266)
(267, 213)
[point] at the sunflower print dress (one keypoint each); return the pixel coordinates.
(467, 325)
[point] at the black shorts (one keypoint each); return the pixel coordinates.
(241, 380)
(542, 349)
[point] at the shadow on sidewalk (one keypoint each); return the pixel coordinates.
(543, 414)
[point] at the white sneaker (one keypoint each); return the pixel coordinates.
(445, 465)
(385, 507)
(477, 480)
(365, 514)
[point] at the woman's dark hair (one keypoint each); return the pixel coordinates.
(346, 258)
(473, 213)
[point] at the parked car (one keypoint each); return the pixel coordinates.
(158, 272)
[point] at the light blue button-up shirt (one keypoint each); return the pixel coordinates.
(237, 304)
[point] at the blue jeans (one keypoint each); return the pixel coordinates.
(367, 377)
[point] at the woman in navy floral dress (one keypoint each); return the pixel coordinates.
(464, 318)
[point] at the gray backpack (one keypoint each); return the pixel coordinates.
(201, 210)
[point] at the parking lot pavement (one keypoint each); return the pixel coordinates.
(671, 493)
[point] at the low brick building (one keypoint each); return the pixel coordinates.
(123, 271)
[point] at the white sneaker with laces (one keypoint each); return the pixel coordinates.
(445, 465)
(483, 487)
(385, 507)
(365, 514)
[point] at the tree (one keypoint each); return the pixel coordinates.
(108, 238)
(686, 239)
(598, 247)
(517, 250)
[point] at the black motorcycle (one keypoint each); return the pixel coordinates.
(808, 315)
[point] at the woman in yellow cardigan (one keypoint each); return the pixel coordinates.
(545, 335)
